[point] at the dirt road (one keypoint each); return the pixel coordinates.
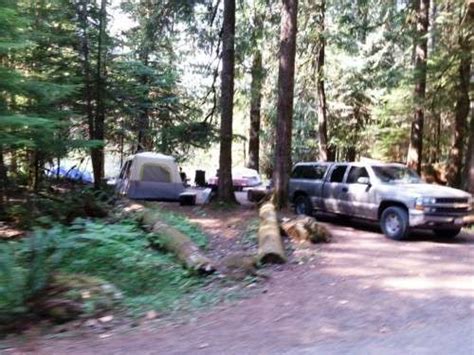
(363, 294)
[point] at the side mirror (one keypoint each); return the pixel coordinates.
(363, 180)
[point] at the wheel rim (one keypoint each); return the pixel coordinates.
(393, 224)
(300, 207)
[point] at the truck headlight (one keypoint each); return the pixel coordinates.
(421, 202)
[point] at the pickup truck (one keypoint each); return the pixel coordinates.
(391, 194)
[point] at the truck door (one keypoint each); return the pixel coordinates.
(358, 201)
(303, 180)
(334, 189)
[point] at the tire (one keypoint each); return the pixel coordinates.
(394, 223)
(447, 233)
(303, 205)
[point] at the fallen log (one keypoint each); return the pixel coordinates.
(304, 228)
(178, 243)
(270, 244)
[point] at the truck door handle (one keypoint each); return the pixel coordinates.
(345, 189)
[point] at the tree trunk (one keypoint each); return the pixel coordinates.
(469, 159)
(84, 52)
(470, 8)
(225, 192)
(469, 163)
(3, 182)
(286, 81)
(255, 105)
(270, 244)
(415, 149)
(454, 174)
(178, 243)
(98, 153)
(322, 107)
(144, 141)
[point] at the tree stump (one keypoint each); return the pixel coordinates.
(304, 228)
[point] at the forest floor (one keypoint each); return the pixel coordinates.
(360, 294)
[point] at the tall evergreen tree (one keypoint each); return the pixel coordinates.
(324, 150)
(415, 150)
(286, 80)
(462, 106)
(256, 87)
(225, 187)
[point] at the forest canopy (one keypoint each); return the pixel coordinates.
(388, 80)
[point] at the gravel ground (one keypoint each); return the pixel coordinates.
(360, 294)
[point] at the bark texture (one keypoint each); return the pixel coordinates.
(255, 106)
(178, 243)
(286, 81)
(144, 140)
(97, 154)
(469, 159)
(225, 190)
(415, 149)
(321, 93)
(306, 229)
(270, 244)
(469, 164)
(86, 66)
(3, 181)
(461, 114)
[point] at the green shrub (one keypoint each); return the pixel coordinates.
(13, 291)
(117, 253)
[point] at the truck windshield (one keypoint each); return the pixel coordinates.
(396, 174)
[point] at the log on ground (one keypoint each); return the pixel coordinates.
(270, 244)
(172, 240)
(304, 228)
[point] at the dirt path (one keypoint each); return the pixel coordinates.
(361, 292)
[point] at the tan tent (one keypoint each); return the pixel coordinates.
(150, 176)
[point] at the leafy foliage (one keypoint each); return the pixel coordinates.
(118, 253)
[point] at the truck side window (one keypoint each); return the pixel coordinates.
(338, 173)
(319, 171)
(355, 173)
(309, 172)
(297, 172)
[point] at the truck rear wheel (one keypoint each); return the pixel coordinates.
(394, 223)
(303, 205)
(447, 232)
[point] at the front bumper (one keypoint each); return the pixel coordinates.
(420, 219)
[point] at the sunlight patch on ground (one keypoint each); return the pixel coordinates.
(456, 284)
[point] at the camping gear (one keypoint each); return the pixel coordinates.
(150, 176)
(187, 199)
(200, 178)
(241, 178)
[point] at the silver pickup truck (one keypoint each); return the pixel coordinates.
(389, 193)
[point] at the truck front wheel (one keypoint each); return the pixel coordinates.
(394, 223)
(303, 205)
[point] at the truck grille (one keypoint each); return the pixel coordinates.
(442, 210)
(451, 200)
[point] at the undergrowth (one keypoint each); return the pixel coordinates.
(183, 225)
(47, 208)
(117, 253)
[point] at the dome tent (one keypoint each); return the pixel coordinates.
(151, 176)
